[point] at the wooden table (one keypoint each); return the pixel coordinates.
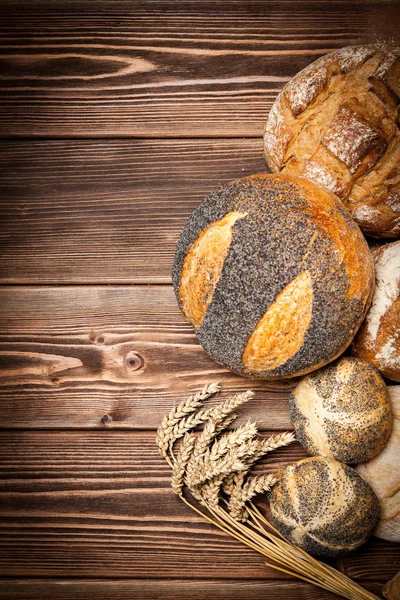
(117, 118)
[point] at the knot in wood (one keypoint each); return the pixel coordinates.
(134, 361)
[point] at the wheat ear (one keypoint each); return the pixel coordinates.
(180, 464)
(166, 432)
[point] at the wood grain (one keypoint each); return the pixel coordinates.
(143, 589)
(106, 211)
(70, 355)
(162, 69)
(98, 504)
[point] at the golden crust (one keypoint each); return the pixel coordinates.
(348, 242)
(378, 339)
(261, 264)
(337, 123)
(280, 332)
(203, 265)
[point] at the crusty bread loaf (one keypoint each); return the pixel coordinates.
(274, 275)
(342, 411)
(383, 475)
(337, 123)
(323, 506)
(378, 339)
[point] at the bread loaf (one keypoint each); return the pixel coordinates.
(342, 411)
(323, 506)
(337, 123)
(378, 339)
(274, 275)
(383, 475)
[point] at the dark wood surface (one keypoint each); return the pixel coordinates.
(116, 119)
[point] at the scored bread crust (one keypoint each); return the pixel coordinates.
(294, 284)
(337, 123)
(378, 339)
(342, 411)
(323, 506)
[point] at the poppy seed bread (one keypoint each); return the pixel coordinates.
(337, 123)
(342, 411)
(323, 506)
(274, 275)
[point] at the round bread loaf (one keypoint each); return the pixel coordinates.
(337, 123)
(383, 475)
(323, 506)
(342, 411)
(274, 275)
(378, 339)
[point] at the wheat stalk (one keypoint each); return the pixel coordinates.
(207, 464)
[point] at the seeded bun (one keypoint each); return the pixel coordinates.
(337, 123)
(323, 506)
(378, 340)
(342, 411)
(383, 475)
(274, 275)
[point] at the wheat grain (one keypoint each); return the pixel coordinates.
(220, 418)
(257, 485)
(165, 433)
(233, 460)
(232, 439)
(179, 467)
(236, 505)
(264, 446)
(210, 491)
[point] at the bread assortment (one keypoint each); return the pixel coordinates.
(274, 275)
(276, 278)
(342, 411)
(337, 123)
(383, 475)
(378, 339)
(323, 506)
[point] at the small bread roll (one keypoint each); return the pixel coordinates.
(323, 506)
(342, 411)
(383, 475)
(274, 275)
(378, 339)
(337, 123)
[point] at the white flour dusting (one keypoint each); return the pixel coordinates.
(387, 274)
(389, 355)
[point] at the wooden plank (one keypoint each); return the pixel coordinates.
(106, 211)
(143, 589)
(160, 69)
(70, 355)
(99, 504)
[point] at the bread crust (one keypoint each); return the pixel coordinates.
(337, 123)
(383, 475)
(323, 506)
(295, 252)
(378, 340)
(342, 411)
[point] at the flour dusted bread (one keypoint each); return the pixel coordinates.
(323, 506)
(274, 275)
(337, 123)
(342, 411)
(383, 475)
(378, 340)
